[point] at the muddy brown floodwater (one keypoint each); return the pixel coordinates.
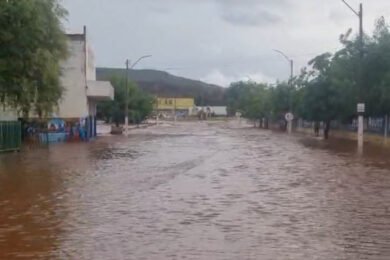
(196, 191)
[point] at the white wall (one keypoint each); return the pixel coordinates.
(7, 114)
(218, 110)
(91, 70)
(74, 103)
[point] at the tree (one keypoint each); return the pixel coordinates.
(332, 86)
(319, 93)
(140, 103)
(236, 96)
(32, 44)
(377, 70)
(253, 100)
(280, 98)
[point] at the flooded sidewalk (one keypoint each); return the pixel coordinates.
(195, 190)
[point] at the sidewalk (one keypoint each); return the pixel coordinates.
(368, 137)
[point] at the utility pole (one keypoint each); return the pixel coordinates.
(361, 113)
(174, 109)
(289, 115)
(127, 90)
(360, 101)
(291, 83)
(127, 99)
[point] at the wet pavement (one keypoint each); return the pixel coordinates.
(196, 191)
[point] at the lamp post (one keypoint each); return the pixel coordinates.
(360, 105)
(127, 90)
(289, 116)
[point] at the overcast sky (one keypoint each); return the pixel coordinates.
(217, 41)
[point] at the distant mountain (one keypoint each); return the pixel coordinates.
(163, 84)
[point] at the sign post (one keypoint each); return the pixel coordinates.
(361, 108)
(238, 116)
(289, 118)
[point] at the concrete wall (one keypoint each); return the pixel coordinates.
(90, 75)
(92, 107)
(74, 103)
(217, 110)
(100, 90)
(7, 114)
(91, 70)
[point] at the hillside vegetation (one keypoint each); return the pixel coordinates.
(163, 84)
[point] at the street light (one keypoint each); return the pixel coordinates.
(361, 105)
(291, 62)
(127, 90)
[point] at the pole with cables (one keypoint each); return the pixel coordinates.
(360, 101)
(289, 116)
(127, 99)
(127, 90)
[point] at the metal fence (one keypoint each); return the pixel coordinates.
(372, 125)
(10, 136)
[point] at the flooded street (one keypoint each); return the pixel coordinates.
(195, 191)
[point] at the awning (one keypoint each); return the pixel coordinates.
(100, 90)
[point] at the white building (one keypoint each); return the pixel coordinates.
(81, 90)
(211, 110)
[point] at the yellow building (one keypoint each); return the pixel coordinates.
(175, 103)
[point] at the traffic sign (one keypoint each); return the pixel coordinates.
(289, 117)
(361, 108)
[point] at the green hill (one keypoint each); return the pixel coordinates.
(163, 84)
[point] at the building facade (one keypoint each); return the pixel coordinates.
(82, 92)
(178, 104)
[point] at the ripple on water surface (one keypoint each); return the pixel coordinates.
(196, 191)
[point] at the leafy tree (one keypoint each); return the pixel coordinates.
(320, 95)
(253, 100)
(140, 103)
(280, 97)
(32, 44)
(236, 96)
(377, 71)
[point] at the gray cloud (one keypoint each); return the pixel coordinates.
(252, 2)
(250, 17)
(251, 12)
(337, 16)
(157, 8)
(216, 40)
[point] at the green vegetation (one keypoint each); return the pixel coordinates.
(163, 84)
(328, 89)
(249, 98)
(140, 103)
(32, 42)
